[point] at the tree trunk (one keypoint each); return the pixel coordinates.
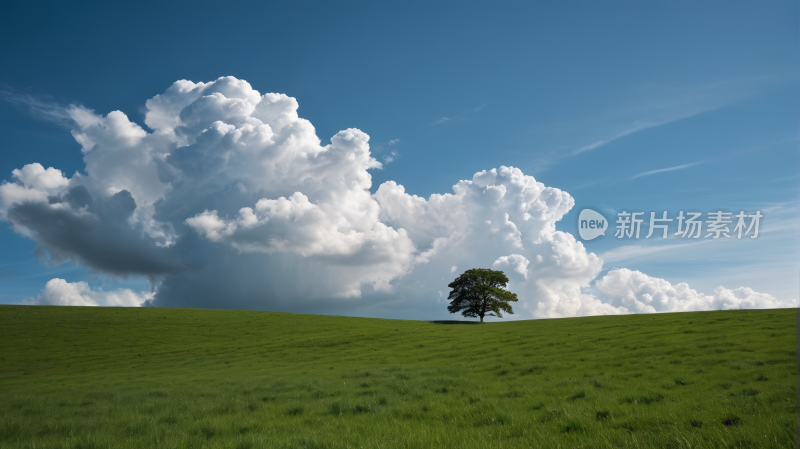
(481, 318)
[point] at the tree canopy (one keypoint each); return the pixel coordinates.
(481, 292)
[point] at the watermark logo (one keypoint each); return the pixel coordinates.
(591, 224)
(715, 224)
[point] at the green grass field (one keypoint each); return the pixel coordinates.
(74, 377)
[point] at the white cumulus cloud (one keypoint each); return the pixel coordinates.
(34, 175)
(515, 261)
(634, 291)
(58, 292)
(233, 201)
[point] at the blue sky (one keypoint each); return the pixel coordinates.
(624, 105)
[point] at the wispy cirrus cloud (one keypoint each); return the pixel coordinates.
(393, 155)
(639, 175)
(641, 108)
(383, 146)
(562, 154)
(678, 103)
(663, 170)
(588, 184)
(390, 157)
(460, 117)
(636, 126)
(632, 252)
(39, 107)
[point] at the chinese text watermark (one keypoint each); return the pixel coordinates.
(715, 224)
(690, 225)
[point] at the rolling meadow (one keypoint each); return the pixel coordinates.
(73, 377)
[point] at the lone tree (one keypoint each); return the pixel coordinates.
(481, 292)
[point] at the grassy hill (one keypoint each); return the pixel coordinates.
(75, 377)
